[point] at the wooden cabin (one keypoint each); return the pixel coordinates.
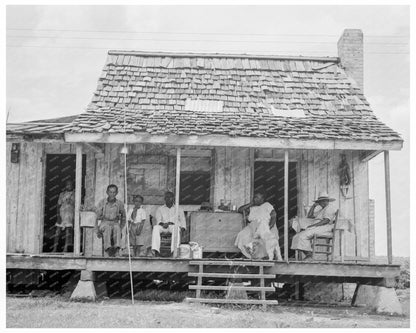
(212, 127)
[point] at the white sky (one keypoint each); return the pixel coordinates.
(54, 77)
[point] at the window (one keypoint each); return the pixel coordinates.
(194, 187)
(195, 182)
(204, 105)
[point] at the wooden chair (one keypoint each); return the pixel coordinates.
(165, 242)
(326, 241)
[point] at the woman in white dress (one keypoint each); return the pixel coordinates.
(260, 237)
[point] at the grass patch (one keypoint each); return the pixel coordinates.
(154, 295)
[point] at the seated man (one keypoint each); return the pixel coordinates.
(112, 214)
(321, 225)
(165, 222)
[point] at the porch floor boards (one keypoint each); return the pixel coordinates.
(284, 271)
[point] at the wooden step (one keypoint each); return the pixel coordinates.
(194, 287)
(234, 301)
(232, 263)
(235, 276)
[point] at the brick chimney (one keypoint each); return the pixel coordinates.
(350, 52)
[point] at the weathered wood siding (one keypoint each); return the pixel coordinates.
(319, 172)
(25, 190)
(232, 175)
(231, 181)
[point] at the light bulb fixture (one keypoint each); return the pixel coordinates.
(124, 150)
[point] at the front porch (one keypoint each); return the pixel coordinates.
(285, 272)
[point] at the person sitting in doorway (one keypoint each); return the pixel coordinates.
(140, 229)
(260, 238)
(66, 209)
(165, 223)
(112, 214)
(319, 221)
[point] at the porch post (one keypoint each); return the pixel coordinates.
(286, 206)
(78, 185)
(388, 206)
(178, 178)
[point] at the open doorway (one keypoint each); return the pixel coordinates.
(59, 169)
(269, 175)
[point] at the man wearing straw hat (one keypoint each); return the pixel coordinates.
(320, 223)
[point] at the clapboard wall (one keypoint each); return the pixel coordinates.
(25, 191)
(231, 180)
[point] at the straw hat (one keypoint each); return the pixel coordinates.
(323, 196)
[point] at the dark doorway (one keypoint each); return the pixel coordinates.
(270, 177)
(59, 169)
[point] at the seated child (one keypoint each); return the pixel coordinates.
(140, 229)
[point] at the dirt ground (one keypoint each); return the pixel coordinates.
(119, 313)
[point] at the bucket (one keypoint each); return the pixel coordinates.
(197, 253)
(196, 250)
(184, 251)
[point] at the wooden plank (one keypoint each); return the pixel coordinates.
(367, 155)
(286, 206)
(371, 229)
(138, 265)
(12, 198)
(90, 180)
(240, 192)
(361, 198)
(262, 291)
(196, 287)
(228, 174)
(233, 301)
(242, 263)
(177, 185)
(321, 171)
(22, 212)
(233, 276)
(334, 189)
(32, 199)
(36, 212)
(311, 177)
(281, 270)
(225, 141)
(251, 174)
(231, 55)
(323, 269)
(220, 171)
(388, 205)
(347, 209)
(303, 189)
(49, 263)
(78, 185)
(42, 200)
(199, 281)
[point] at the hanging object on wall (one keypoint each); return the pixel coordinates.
(344, 176)
(15, 153)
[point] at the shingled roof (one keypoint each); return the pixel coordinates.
(152, 89)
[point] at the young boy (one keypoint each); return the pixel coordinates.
(113, 217)
(140, 229)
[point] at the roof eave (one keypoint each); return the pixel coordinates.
(224, 140)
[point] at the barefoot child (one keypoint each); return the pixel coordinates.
(140, 229)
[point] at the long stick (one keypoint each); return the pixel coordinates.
(126, 205)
